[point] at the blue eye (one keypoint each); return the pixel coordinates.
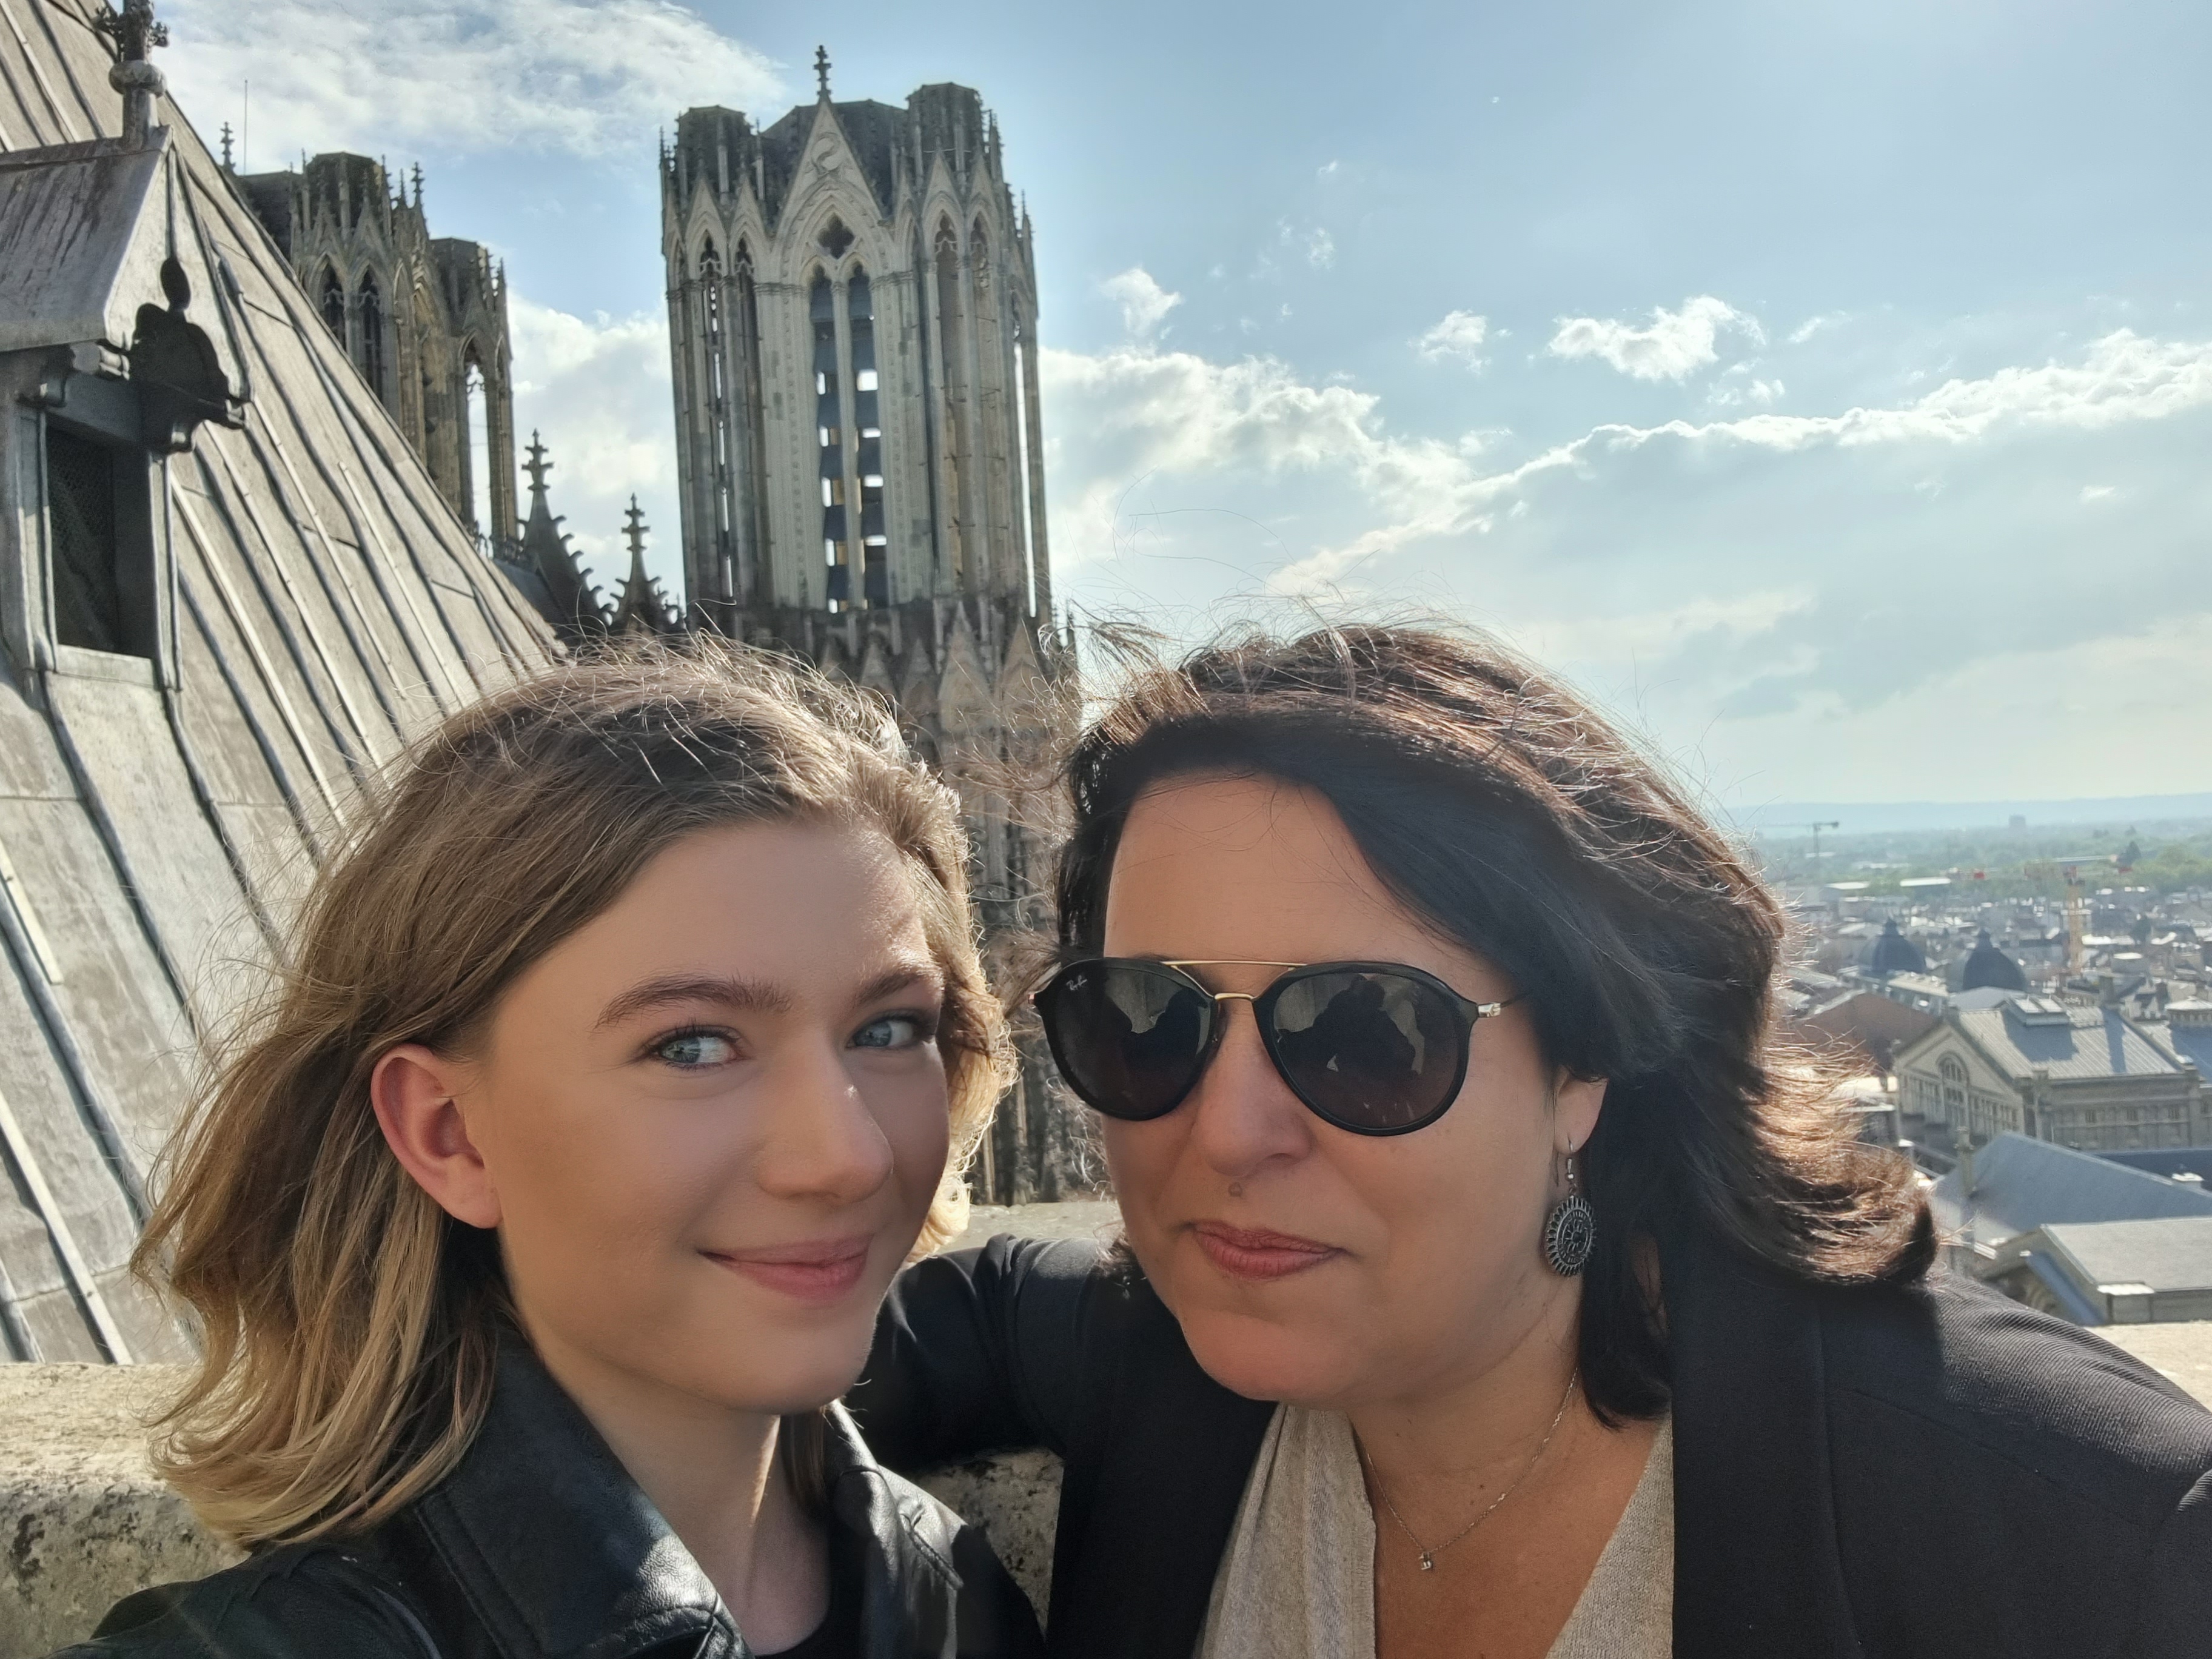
(696, 1050)
(892, 1031)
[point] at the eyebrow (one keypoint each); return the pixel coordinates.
(748, 995)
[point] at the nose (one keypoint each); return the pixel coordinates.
(1244, 1116)
(822, 1141)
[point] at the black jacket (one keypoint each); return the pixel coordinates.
(1873, 1474)
(540, 1544)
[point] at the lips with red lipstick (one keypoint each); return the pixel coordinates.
(817, 1273)
(1258, 1253)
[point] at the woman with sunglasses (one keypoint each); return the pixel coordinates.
(1495, 1283)
(630, 1040)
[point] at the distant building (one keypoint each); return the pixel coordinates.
(422, 318)
(1868, 1026)
(1894, 953)
(1987, 967)
(2110, 1273)
(2014, 1185)
(2084, 1078)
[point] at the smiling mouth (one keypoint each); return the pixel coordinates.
(1243, 1253)
(816, 1274)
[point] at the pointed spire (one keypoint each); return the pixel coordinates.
(418, 184)
(822, 71)
(228, 166)
(634, 529)
(536, 466)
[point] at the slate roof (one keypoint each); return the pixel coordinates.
(2089, 1042)
(1988, 967)
(2173, 1252)
(2021, 1183)
(329, 604)
(1894, 953)
(2167, 1161)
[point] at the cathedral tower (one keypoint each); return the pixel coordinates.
(853, 313)
(423, 317)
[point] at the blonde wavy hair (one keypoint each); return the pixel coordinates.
(349, 1325)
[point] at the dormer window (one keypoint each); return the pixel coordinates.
(101, 569)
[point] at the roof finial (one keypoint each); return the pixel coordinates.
(536, 466)
(418, 184)
(135, 33)
(633, 528)
(822, 70)
(226, 164)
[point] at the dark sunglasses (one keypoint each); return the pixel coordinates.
(1375, 1048)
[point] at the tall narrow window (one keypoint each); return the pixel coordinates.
(749, 458)
(713, 326)
(875, 544)
(334, 305)
(476, 470)
(1019, 418)
(952, 345)
(371, 334)
(829, 426)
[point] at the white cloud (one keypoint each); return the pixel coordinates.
(597, 389)
(1673, 345)
(1458, 337)
(2095, 493)
(1145, 304)
(1727, 395)
(586, 78)
(2124, 377)
(1820, 325)
(1143, 411)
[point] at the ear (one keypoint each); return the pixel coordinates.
(415, 1090)
(1576, 1103)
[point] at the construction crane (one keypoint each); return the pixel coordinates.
(1816, 826)
(2067, 867)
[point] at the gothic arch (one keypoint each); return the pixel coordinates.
(330, 300)
(373, 355)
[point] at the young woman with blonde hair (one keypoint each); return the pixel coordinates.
(628, 1046)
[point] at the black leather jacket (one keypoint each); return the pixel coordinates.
(540, 1544)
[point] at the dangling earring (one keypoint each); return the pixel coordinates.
(1570, 1229)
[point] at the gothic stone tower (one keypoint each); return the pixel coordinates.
(853, 318)
(853, 306)
(423, 317)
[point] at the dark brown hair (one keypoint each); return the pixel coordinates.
(1503, 811)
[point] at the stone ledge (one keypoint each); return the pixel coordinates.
(83, 1523)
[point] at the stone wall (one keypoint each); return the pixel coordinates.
(83, 1523)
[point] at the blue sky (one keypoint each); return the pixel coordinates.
(1826, 387)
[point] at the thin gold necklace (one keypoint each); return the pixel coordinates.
(1429, 1556)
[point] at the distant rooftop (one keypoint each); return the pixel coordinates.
(2021, 1184)
(2172, 1252)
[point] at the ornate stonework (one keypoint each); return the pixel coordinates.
(423, 317)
